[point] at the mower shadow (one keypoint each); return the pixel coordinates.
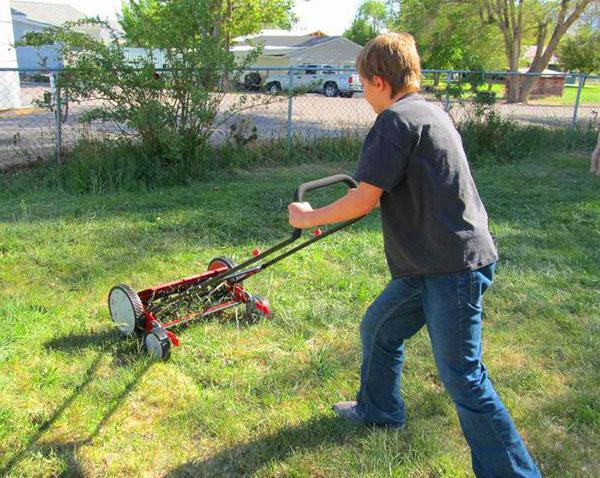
(124, 350)
(247, 459)
(67, 451)
(124, 353)
(32, 444)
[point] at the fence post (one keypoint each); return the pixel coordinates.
(447, 101)
(577, 99)
(290, 102)
(58, 118)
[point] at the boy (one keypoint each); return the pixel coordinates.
(440, 254)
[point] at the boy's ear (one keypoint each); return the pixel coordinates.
(378, 82)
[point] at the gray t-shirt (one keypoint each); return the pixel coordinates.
(433, 219)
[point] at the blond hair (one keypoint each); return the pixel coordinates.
(394, 57)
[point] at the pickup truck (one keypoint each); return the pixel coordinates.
(325, 79)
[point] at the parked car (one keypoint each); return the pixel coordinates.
(325, 79)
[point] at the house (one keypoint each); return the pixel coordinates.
(529, 55)
(35, 17)
(549, 83)
(287, 48)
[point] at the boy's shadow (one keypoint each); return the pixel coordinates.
(247, 459)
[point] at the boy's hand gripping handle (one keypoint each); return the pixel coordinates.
(317, 184)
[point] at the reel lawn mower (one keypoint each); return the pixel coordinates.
(152, 313)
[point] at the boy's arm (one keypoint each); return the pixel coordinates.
(358, 202)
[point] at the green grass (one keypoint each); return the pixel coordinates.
(590, 94)
(254, 400)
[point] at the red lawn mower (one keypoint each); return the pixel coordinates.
(152, 313)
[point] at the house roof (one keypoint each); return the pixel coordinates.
(284, 39)
(546, 73)
(51, 14)
(338, 51)
(335, 51)
(529, 55)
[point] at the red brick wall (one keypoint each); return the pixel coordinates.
(549, 86)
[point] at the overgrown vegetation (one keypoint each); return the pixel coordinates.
(111, 166)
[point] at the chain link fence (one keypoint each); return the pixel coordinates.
(39, 123)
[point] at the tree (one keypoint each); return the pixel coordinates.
(448, 34)
(178, 24)
(370, 20)
(173, 23)
(581, 51)
(170, 114)
(552, 20)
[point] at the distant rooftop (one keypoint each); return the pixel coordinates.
(529, 55)
(284, 38)
(51, 14)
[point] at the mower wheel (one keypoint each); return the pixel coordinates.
(126, 309)
(218, 262)
(254, 313)
(157, 344)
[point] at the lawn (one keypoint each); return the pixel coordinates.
(590, 94)
(254, 400)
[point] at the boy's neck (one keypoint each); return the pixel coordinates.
(398, 96)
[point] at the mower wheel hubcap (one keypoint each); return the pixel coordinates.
(122, 310)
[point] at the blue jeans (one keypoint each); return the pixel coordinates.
(451, 307)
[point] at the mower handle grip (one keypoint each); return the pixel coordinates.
(318, 184)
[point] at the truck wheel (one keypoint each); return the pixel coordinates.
(252, 81)
(274, 88)
(330, 90)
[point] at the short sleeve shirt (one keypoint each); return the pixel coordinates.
(432, 216)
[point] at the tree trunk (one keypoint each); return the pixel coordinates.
(525, 88)
(503, 12)
(512, 89)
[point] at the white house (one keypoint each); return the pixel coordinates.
(35, 17)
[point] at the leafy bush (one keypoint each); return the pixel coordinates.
(108, 166)
(496, 139)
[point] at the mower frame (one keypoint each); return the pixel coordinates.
(139, 312)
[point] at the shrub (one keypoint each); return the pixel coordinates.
(170, 113)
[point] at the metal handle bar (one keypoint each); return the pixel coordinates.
(318, 184)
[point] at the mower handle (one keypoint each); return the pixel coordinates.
(317, 184)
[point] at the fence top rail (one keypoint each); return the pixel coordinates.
(298, 69)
